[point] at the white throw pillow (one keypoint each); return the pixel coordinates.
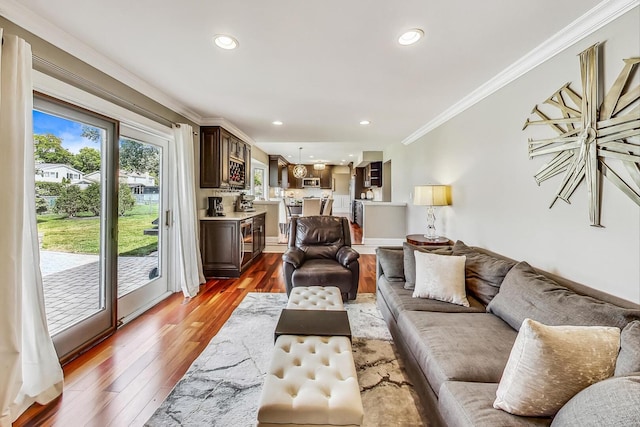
(548, 365)
(440, 277)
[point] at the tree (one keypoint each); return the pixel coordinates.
(138, 157)
(126, 201)
(92, 133)
(70, 201)
(91, 199)
(41, 205)
(48, 188)
(49, 149)
(87, 160)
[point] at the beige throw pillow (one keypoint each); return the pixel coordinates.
(440, 277)
(548, 365)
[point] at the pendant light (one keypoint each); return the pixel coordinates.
(300, 170)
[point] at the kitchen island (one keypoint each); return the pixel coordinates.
(382, 223)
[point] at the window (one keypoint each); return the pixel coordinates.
(259, 184)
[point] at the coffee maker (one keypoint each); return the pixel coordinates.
(244, 203)
(215, 207)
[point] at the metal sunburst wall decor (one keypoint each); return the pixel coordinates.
(592, 139)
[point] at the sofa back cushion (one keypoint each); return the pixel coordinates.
(410, 261)
(629, 356)
(392, 263)
(525, 293)
(612, 402)
(483, 273)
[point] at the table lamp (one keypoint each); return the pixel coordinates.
(431, 196)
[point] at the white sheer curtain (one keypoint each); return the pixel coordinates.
(187, 264)
(29, 367)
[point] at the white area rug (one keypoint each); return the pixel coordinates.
(222, 386)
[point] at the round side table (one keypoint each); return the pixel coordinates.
(420, 240)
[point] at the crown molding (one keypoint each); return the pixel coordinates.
(601, 15)
(30, 21)
(219, 121)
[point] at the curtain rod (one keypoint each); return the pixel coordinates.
(43, 65)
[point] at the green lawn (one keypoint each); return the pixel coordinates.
(82, 234)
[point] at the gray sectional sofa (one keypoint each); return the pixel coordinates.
(455, 355)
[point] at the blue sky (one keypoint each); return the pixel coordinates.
(69, 131)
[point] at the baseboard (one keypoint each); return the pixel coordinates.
(382, 242)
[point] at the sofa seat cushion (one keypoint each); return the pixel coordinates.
(322, 272)
(399, 299)
(457, 346)
(466, 404)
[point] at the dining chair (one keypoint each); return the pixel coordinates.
(328, 204)
(310, 207)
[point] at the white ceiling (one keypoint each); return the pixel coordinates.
(320, 66)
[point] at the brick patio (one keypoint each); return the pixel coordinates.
(71, 284)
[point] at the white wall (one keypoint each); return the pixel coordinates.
(483, 154)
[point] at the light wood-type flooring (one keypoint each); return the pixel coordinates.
(124, 379)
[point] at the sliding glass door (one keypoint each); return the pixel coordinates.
(143, 222)
(76, 160)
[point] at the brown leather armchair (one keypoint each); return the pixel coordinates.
(320, 254)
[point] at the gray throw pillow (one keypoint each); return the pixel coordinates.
(525, 293)
(391, 261)
(629, 356)
(612, 402)
(410, 262)
(483, 273)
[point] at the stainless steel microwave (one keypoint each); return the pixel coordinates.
(311, 182)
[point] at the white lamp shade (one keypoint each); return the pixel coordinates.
(432, 195)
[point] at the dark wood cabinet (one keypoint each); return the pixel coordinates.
(220, 247)
(372, 175)
(225, 160)
(225, 250)
(326, 177)
(214, 157)
(375, 174)
(292, 181)
(278, 172)
(259, 235)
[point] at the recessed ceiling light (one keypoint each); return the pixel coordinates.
(277, 123)
(350, 155)
(311, 157)
(365, 122)
(225, 41)
(411, 36)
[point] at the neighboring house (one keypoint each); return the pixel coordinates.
(137, 181)
(55, 172)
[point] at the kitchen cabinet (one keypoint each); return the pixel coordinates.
(326, 177)
(372, 175)
(220, 247)
(259, 235)
(278, 172)
(225, 160)
(229, 246)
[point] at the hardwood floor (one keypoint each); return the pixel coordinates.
(124, 379)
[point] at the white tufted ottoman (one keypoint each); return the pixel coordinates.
(311, 381)
(315, 298)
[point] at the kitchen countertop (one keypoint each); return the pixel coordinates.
(377, 203)
(230, 216)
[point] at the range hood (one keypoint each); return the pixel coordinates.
(366, 157)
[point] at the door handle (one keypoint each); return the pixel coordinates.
(167, 218)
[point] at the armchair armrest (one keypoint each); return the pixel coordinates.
(346, 255)
(293, 256)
